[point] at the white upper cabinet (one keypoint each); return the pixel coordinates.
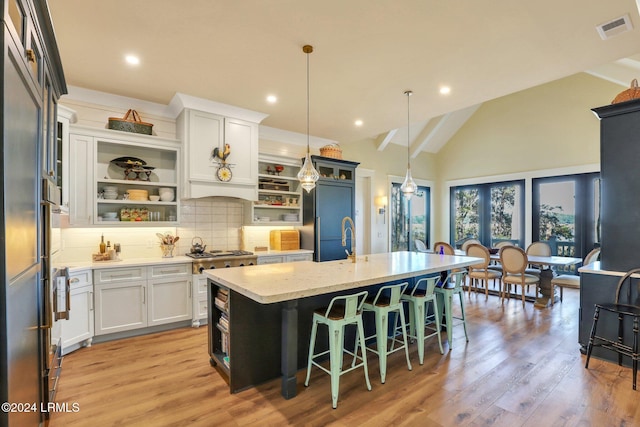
(204, 132)
(206, 126)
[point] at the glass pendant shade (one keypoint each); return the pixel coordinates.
(409, 186)
(308, 175)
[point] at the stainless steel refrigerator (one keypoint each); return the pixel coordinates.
(21, 294)
(32, 82)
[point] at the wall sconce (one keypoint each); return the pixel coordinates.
(381, 202)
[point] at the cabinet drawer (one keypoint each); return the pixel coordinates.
(80, 278)
(170, 270)
(299, 257)
(116, 275)
(270, 259)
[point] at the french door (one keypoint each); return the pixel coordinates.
(410, 219)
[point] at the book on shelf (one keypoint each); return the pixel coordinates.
(224, 321)
(222, 295)
(225, 360)
(222, 305)
(224, 343)
(223, 328)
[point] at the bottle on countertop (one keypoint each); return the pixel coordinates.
(103, 247)
(441, 250)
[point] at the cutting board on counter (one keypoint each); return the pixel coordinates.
(284, 240)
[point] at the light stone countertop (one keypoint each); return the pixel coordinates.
(131, 262)
(270, 283)
(135, 262)
(595, 268)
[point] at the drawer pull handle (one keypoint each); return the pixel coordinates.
(74, 280)
(121, 276)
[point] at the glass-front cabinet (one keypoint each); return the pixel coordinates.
(279, 192)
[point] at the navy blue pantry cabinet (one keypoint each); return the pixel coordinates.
(326, 205)
(620, 209)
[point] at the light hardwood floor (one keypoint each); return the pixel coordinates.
(521, 367)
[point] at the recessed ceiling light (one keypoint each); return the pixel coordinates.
(358, 122)
(132, 60)
(272, 99)
(445, 90)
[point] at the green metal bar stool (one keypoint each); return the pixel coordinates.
(451, 286)
(342, 311)
(419, 298)
(381, 306)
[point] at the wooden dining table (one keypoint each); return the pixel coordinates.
(546, 274)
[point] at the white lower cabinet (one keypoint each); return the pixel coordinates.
(200, 304)
(120, 307)
(137, 297)
(169, 300)
(78, 330)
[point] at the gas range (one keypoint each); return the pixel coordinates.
(221, 259)
(218, 253)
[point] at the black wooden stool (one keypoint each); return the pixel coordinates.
(624, 309)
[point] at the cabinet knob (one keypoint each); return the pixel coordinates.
(31, 55)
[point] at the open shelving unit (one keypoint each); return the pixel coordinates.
(279, 192)
(162, 156)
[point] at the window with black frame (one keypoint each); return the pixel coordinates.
(491, 213)
(566, 213)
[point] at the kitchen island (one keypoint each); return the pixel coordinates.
(261, 315)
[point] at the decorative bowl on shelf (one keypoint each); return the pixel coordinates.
(166, 194)
(154, 198)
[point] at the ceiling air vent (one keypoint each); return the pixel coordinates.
(614, 27)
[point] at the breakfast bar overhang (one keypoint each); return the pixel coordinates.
(264, 302)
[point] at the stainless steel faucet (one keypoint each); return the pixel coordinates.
(352, 229)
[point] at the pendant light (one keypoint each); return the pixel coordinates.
(409, 186)
(308, 175)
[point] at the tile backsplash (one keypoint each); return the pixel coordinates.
(217, 220)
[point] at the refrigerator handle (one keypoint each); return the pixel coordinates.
(62, 295)
(48, 311)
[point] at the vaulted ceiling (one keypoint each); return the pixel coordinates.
(366, 54)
